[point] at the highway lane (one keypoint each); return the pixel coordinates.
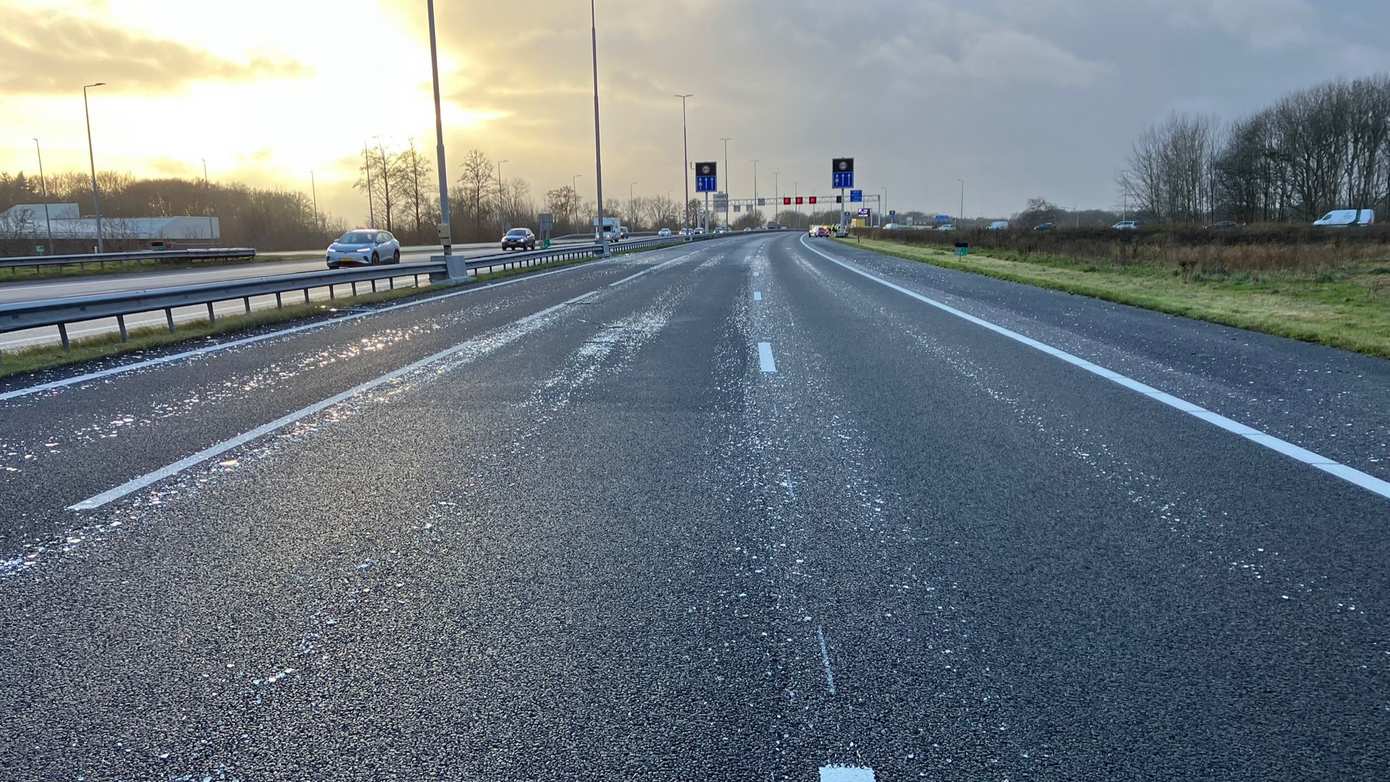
(730, 511)
(62, 288)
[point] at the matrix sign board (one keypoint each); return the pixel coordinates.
(706, 177)
(842, 172)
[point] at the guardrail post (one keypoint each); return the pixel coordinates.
(278, 304)
(417, 280)
(120, 323)
(169, 318)
(306, 295)
(63, 334)
(390, 283)
(330, 291)
(373, 285)
(246, 300)
(212, 317)
(354, 288)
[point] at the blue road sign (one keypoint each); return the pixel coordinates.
(855, 196)
(842, 179)
(706, 177)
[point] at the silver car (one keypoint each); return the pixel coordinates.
(364, 247)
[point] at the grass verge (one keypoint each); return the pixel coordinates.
(1345, 307)
(42, 357)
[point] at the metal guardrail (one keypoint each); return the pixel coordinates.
(61, 312)
(210, 254)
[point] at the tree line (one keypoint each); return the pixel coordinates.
(1315, 150)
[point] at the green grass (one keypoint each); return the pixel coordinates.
(108, 345)
(1347, 306)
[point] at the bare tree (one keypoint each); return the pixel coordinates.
(563, 203)
(476, 188)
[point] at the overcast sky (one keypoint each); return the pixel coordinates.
(1019, 97)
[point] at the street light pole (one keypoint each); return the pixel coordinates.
(43, 186)
(728, 179)
(371, 207)
(445, 237)
(962, 200)
(598, 146)
(499, 193)
(207, 193)
(96, 192)
(314, 189)
(685, 141)
(755, 182)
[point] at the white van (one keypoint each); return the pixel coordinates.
(998, 225)
(1342, 218)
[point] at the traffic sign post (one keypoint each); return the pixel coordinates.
(842, 178)
(706, 181)
(706, 177)
(842, 173)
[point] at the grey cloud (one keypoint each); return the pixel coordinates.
(1020, 97)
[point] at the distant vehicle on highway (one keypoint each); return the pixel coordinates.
(841, 232)
(519, 239)
(664, 232)
(1045, 227)
(948, 227)
(774, 227)
(363, 247)
(1126, 225)
(1345, 218)
(822, 232)
(998, 225)
(612, 229)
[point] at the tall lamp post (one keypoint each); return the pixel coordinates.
(207, 193)
(499, 191)
(755, 183)
(444, 219)
(685, 142)
(598, 146)
(776, 192)
(43, 187)
(96, 192)
(728, 180)
(962, 201)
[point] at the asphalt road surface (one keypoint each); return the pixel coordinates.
(764, 508)
(61, 287)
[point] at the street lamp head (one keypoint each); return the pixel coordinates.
(94, 84)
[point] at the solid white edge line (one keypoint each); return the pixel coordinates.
(150, 478)
(90, 376)
(1330, 466)
(846, 774)
(765, 360)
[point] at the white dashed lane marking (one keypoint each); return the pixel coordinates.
(846, 774)
(757, 295)
(765, 360)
